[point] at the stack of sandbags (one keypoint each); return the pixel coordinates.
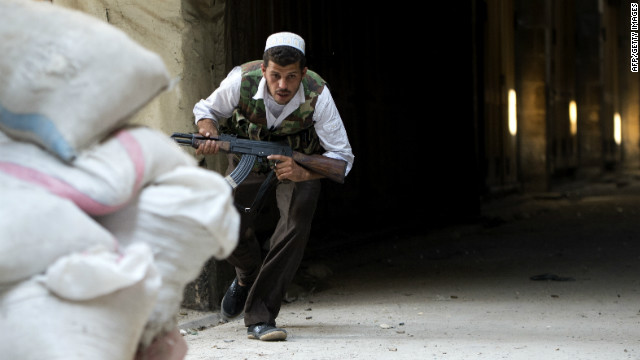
(103, 224)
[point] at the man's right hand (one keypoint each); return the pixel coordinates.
(207, 128)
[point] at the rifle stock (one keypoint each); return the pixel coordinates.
(332, 169)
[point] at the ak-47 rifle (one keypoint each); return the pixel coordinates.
(250, 150)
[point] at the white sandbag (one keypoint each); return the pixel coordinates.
(36, 324)
(38, 227)
(105, 176)
(67, 79)
(187, 216)
(98, 271)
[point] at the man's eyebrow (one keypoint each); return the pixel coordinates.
(274, 71)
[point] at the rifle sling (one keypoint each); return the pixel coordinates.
(258, 200)
(240, 173)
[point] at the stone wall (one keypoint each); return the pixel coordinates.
(188, 35)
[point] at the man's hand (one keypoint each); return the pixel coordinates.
(207, 128)
(287, 169)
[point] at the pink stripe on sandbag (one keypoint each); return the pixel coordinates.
(67, 191)
(136, 155)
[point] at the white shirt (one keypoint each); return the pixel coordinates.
(327, 121)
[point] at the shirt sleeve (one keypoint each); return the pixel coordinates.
(331, 130)
(223, 101)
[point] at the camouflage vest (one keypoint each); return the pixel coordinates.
(249, 119)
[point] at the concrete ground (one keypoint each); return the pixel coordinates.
(544, 276)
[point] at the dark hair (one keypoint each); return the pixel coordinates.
(283, 56)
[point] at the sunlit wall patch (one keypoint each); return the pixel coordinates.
(513, 123)
(617, 128)
(573, 117)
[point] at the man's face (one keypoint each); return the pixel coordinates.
(283, 81)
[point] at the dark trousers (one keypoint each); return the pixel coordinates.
(270, 277)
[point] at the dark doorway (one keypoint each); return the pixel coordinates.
(403, 83)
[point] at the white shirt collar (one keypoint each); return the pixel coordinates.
(290, 107)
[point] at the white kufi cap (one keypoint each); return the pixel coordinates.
(285, 39)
